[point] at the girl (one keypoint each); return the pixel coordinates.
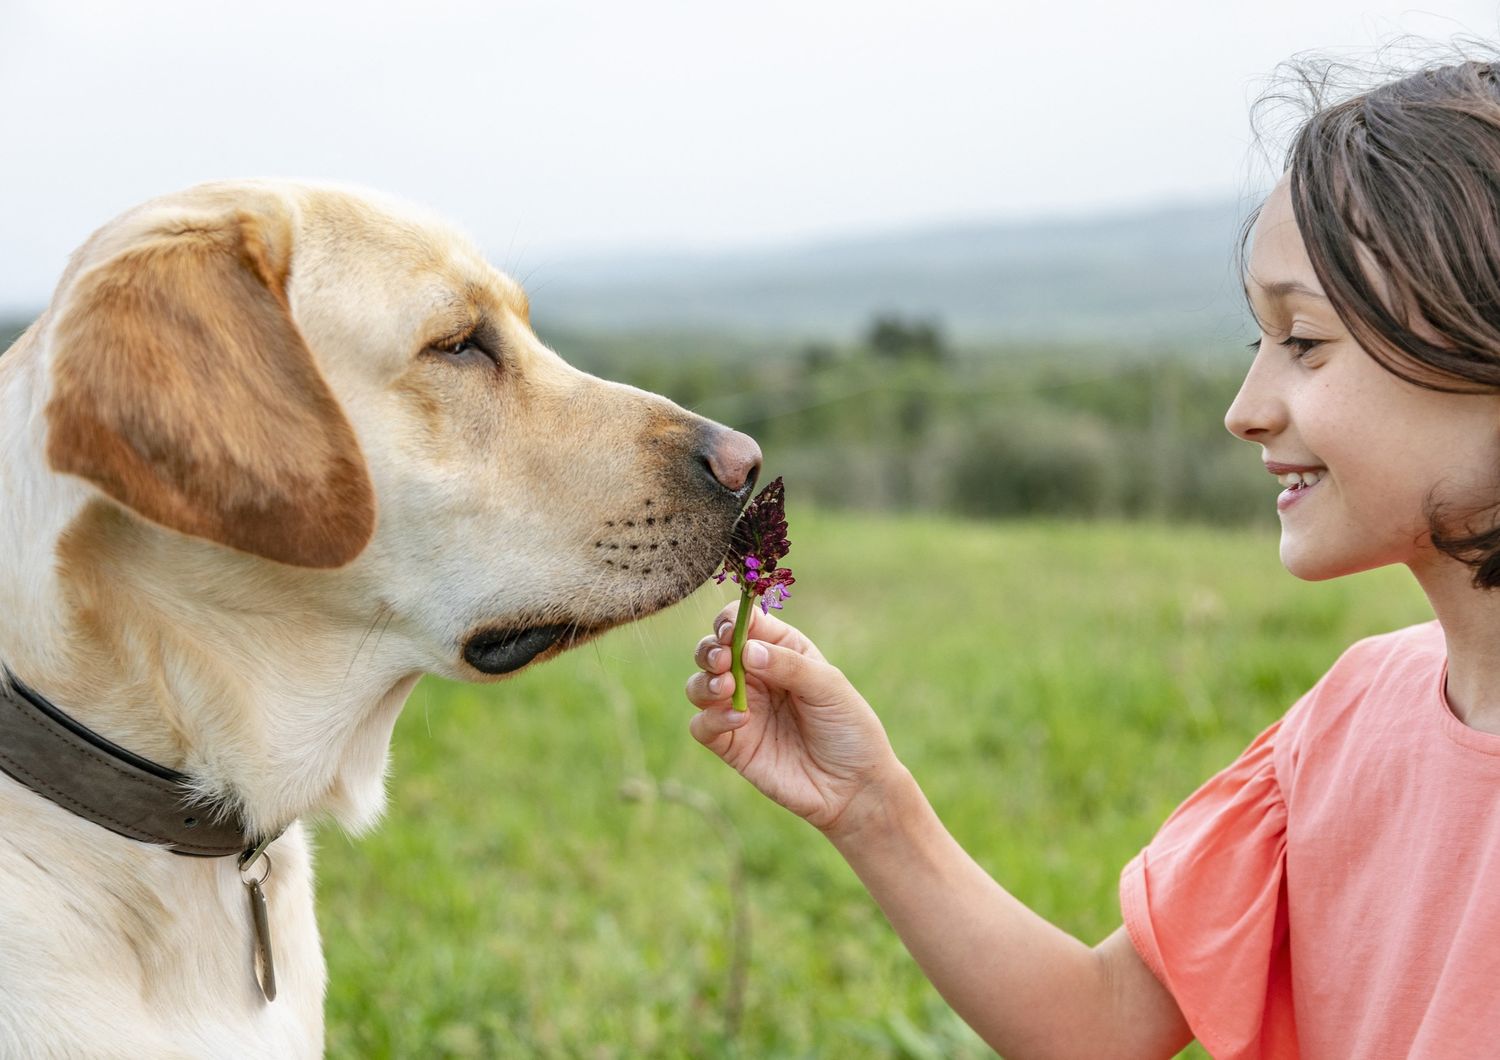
(1336, 891)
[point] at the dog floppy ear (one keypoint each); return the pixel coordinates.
(182, 388)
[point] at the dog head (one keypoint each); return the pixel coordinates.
(320, 380)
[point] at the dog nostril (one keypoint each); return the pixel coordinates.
(733, 459)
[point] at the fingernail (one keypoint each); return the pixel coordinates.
(735, 718)
(716, 684)
(716, 656)
(756, 654)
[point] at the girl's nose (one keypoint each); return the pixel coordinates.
(1257, 411)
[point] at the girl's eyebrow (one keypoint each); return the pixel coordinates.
(1284, 288)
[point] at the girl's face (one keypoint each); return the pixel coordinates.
(1361, 453)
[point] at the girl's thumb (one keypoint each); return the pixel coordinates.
(810, 679)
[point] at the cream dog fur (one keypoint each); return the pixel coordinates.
(273, 452)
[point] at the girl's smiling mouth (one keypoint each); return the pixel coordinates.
(1298, 479)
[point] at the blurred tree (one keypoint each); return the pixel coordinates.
(817, 357)
(1029, 460)
(892, 337)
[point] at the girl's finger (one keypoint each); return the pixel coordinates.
(724, 624)
(708, 726)
(709, 690)
(762, 625)
(768, 628)
(705, 659)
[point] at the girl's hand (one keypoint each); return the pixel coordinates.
(808, 740)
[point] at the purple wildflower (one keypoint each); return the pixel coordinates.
(759, 541)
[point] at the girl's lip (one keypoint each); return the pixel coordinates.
(1286, 469)
(1295, 494)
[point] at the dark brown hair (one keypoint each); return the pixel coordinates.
(1396, 194)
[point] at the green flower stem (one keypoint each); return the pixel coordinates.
(737, 663)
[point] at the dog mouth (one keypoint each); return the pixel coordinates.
(504, 647)
(497, 651)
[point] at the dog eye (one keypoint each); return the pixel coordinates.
(464, 350)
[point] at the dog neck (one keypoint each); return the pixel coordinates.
(275, 689)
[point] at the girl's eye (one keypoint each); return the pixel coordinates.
(1300, 346)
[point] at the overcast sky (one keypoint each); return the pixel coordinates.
(558, 128)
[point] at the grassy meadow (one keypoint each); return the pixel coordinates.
(563, 871)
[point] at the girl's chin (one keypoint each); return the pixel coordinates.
(1311, 564)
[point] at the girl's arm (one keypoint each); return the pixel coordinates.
(811, 742)
(1027, 988)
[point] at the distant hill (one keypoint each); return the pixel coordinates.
(1134, 279)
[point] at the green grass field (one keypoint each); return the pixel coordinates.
(554, 876)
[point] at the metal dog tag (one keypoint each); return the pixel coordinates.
(265, 967)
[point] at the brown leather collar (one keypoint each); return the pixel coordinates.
(62, 760)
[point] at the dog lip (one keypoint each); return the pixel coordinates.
(502, 651)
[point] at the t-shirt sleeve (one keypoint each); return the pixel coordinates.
(1204, 904)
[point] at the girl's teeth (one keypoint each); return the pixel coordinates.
(1294, 479)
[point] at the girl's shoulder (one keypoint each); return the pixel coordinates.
(1421, 641)
(1420, 648)
(1373, 687)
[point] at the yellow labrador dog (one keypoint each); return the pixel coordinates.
(273, 452)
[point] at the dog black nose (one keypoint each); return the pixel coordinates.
(732, 458)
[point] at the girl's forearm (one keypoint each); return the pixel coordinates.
(1028, 988)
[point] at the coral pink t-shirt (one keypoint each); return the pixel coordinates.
(1336, 891)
